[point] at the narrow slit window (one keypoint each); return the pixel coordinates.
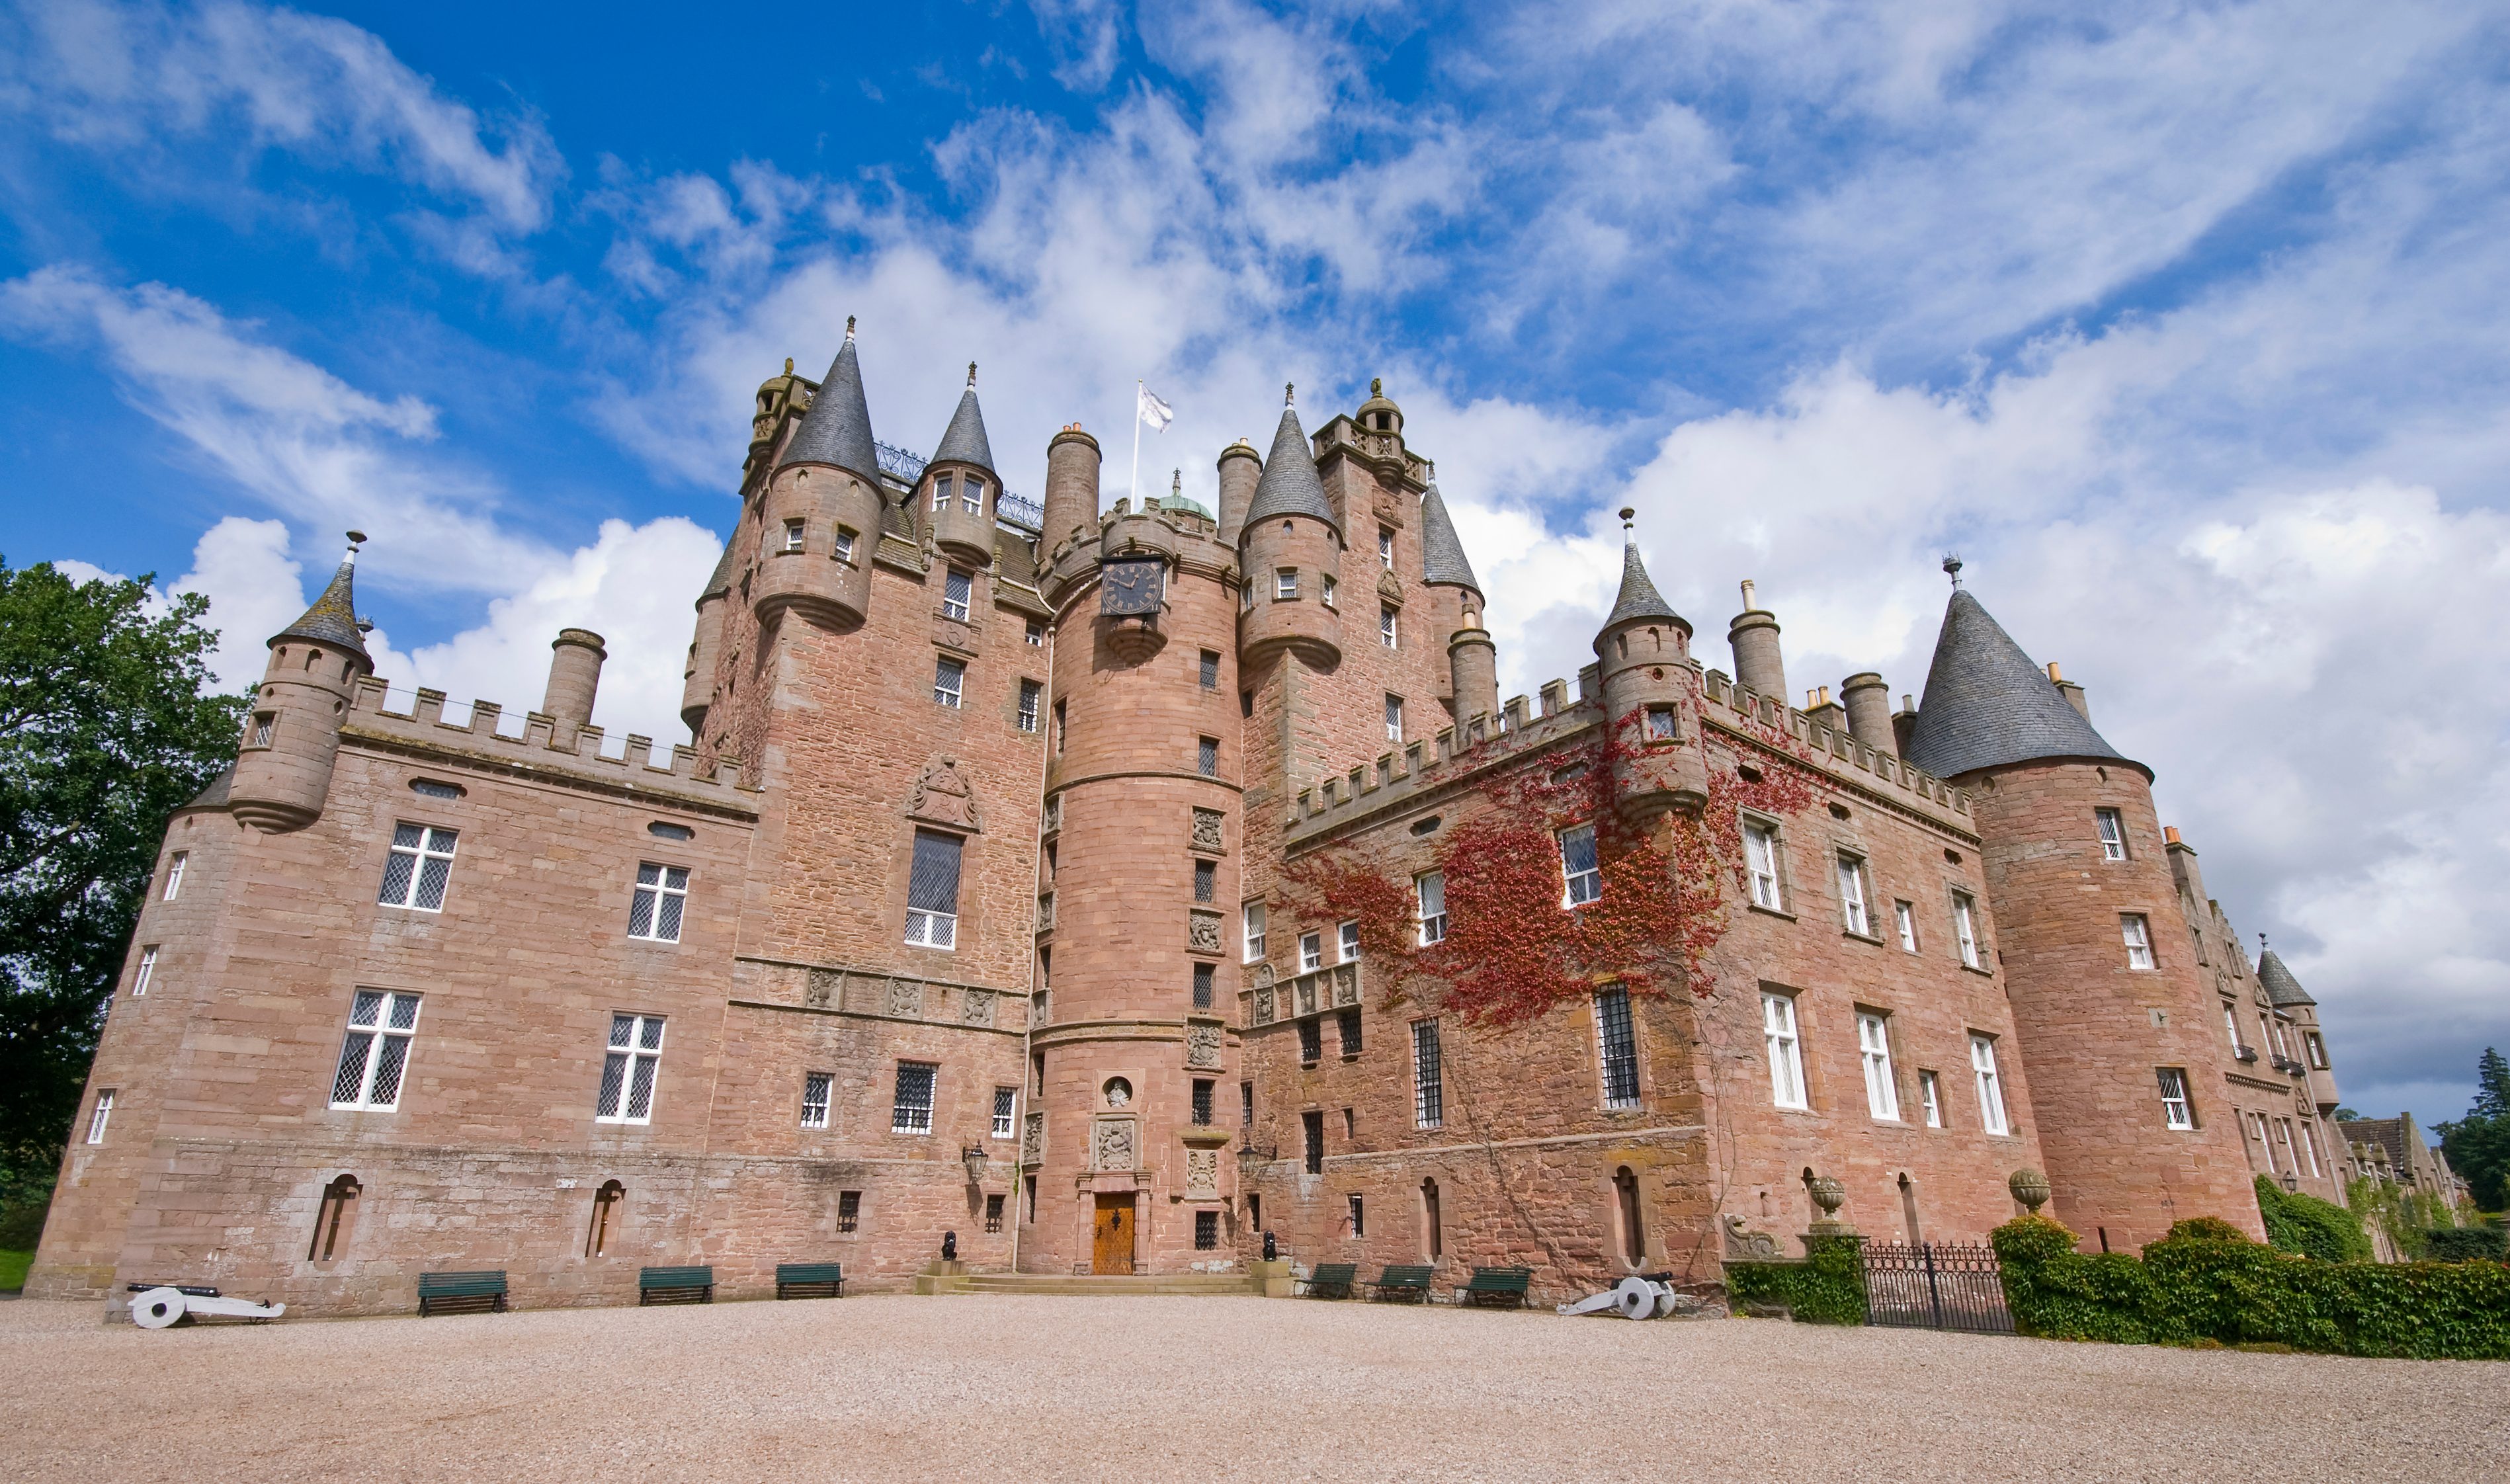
(661, 895)
(1385, 548)
(1206, 879)
(845, 545)
(1904, 916)
(1202, 976)
(1202, 1109)
(1429, 1083)
(1930, 1097)
(374, 1055)
(174, 872)
(147, 972)
(1312, 1042)
(932, 890)
(1312, 1128)
(628, 1071)
(1207, 757)
(1327, 596)
(1386, 626)
(1346, 1028)
(101, 1115)
(1393, 718)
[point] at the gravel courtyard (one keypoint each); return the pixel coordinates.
(1038, 1388)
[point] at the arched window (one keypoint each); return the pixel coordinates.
(1432, 1242)
(1625, 1188)
(333, 1219)
(605, 1213)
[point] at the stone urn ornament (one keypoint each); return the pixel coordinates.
(1829, 1194)
(2031, 1188)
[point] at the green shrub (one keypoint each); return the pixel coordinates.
(2460, 1245)
(2311, 1226)
(2205, 1285)
(1827, 1287)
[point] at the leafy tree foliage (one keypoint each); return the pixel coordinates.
(2311, 1226)
(2477, 1145)
(105, 729)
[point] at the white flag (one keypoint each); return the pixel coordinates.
(1152, 411)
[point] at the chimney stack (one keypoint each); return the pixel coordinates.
(1821, 708)
(1869, 710)
(575, 676)
(1071, 490)
(2073, 693)
(1754, 637)
(1904, 723)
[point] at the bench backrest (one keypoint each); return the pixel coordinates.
(676, 1277)
(1335, 1272)
(809, 1272)
(1500, 1279)
(1405, 1277)
(489, 1280)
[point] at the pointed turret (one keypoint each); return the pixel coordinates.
(2282, 989)
(960, 485)
(837, 430)
(696, 678)
(819, 514)
(1290, 485)
(1986, 705)
(964, 442)
(1290, 549)
(1650, 692)
(1442, 551)
(1638, 597)
(283, 768)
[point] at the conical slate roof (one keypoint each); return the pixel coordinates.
(2281, 987)
(1638, 599)
(964, 442)
(1988, 704)
(1442, 555)
(837, 430)
(1289, 485)
(333, 618)
(720, 583)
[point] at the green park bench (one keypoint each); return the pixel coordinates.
(809, 1280)
(1497, 1285)
(467, 1289)
(675, 1285)
(1332, 1280)
(1409, 1284)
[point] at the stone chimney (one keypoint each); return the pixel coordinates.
(1071, 505)
(1869, 710)
(2073, 693)
(1904, 723)
(1753, 634)
(575, 676)
(1820, 708)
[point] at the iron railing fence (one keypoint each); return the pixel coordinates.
(1015, 511)
(1936, 1286)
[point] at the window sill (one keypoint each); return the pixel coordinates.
(1979, 969)
(1777, 912)
(1862, 938)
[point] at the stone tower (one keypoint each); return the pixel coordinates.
(282, 770)
(1651, 688)
(2115, 1021)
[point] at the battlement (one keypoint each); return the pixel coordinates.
(1181, 532)
(1400, 779)
(541, 749)
(1743, 713)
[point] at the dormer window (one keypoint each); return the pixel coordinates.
(942, 492)
(971, 496)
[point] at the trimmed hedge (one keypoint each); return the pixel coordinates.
(1826, 1288)
(2207, 1283)
(2311, 1226)
(2460, 1245)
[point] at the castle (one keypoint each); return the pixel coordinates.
(1113, 887)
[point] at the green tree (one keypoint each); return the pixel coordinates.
(2477, 1145)
(105, 729)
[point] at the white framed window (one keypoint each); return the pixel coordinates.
(2317, 1049)
(2282, 1038)
(1786, 1052)
(2257, 1122)
(1393, 718)
(374, 1055)
(1030, 693)
(1349, 935)
(1874, 1049)
(174, 873)
(1312, 951)
(2175, 1110)
(263, 722)
(971, 496)
(1904, 917)
(1386, 626)
(2112, 834)
(1328, 594)
(416, 871)
(793, 537)
(1580, 869)
(1760, 864)
(1660, 724)
(2139, 939)
(2290, 1156)
(1385, 548)
(628, 1071)
(1429, 894)
(1965, 929)
(940, 493)
(1285, 585)
(2231, 1023)
(1250, 918)
(1931, 1098)
(1617, 1048)
(911, 1110)
(1036, 634)
(932, 890)
(949, 681)
(1853, 914)
(815, 1099)
(662, 893)
(147, 972)
(1991, 1087)
(1006, 1112)
(958, 591)
(1429, 1081)
(2309, 1147)
(845, 547)
(102, 1116)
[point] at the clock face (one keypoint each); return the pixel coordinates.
(1131, 588)
(1119, 1092)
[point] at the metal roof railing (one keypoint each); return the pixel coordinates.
(1015, 511)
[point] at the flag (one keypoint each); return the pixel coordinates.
(1151, 409)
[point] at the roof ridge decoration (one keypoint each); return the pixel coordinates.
(964, 442)
(333, 617)
(2281, 987)
(1290, 484)
(1988, 704)
(837, 428)
(1638, 599)
(1442, 551)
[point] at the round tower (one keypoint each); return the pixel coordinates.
(283, 769)
(1456, 600)
(959, 487)
(1869, 710)
(1070, 508)
(1242, 468)
(705, 646)
(2119, 1031)
(1650, 696)
(820, 514)
(1752, 636)
(576, 658)
(1291, 552)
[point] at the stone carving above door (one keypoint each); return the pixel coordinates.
(1112, 1146)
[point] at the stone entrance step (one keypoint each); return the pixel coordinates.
(1094, 1285)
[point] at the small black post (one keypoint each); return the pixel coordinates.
(1934, 1293)
(2105, 1238)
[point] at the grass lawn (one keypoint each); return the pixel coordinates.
(13, 1269)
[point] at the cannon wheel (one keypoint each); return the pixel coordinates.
(157, 1308)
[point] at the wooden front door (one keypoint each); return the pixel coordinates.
(1111, 1249)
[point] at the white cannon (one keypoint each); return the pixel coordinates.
(165, 1305)
(1632, 1298)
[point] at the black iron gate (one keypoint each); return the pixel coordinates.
(1936, 1286)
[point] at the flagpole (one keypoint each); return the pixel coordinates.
(1134, 486)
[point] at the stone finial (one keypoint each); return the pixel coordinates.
(1289, 394)
(2031, 1188)
(788, 365)
(1953, 566)
(972, 373)
(849, 327)
(1377, 386)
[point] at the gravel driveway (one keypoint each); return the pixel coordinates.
(1036, 1388)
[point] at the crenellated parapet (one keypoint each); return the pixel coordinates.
(1770, 723)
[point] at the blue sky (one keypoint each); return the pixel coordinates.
(2185, 324)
